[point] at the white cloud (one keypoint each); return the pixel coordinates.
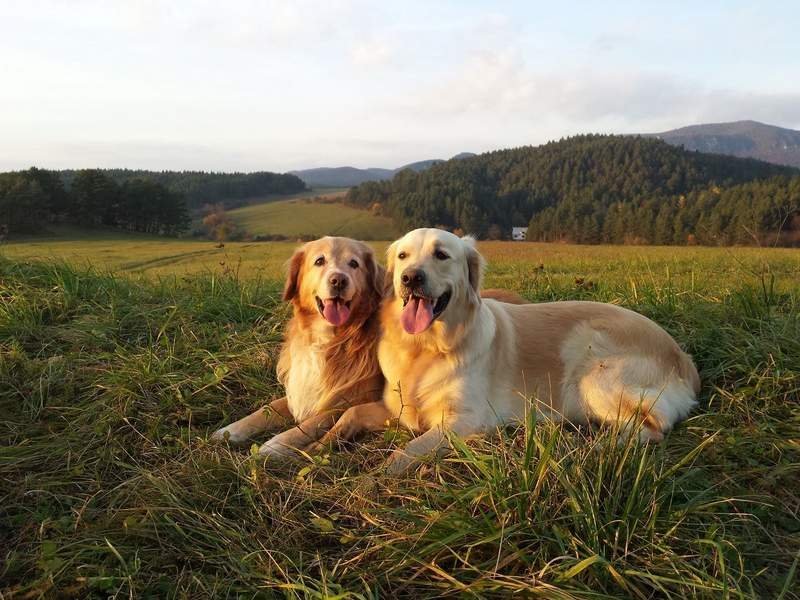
(278, 84)
(209, 22)
(499, 86)
(371, 53)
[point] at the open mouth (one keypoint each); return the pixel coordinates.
(335, 311)
(419, 311)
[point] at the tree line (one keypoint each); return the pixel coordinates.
(32, 199)
(134, 200)
(201, 187)
(598, 189)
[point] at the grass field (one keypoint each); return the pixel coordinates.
(511, 264)
(114, 375)
(304, 217)
(311, 193)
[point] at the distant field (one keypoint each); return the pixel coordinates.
(515, 264)
(302, 217)
(312, 193)
(142, 255)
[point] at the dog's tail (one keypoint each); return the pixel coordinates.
(613, 395)
(658, 409)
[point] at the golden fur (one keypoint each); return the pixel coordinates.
(324, 368)
(482, 363)
(349, 355)
(506, 296)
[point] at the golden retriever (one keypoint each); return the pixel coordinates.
(456, 362)
(328, 360)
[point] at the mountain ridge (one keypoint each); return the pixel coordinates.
(348, 176)
(745, 139)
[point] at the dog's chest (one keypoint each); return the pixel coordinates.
(420, 385)
(304, 380)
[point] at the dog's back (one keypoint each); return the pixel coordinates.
(601, 362)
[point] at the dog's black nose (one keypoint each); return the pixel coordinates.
(413, 277)
(338, 281)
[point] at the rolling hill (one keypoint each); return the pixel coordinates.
(741, 138)
(350, 176)
(598, 189)
(298, 218)
(341, 176)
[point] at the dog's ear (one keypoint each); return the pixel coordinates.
(475, 265)
(295, 264)
(388, 280)
(375, 273)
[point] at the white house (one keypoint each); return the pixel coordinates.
(518, 234)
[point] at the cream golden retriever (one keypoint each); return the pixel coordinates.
(328, 360)
(459, 363)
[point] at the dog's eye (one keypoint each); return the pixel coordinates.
(440, 255)
(353, 264)
(320, 261)
(402, 255)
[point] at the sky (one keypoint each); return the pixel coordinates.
(289, 84)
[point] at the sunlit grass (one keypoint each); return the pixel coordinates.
(306, 218)
(112, 378)
(513, 264)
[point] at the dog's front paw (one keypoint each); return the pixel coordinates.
(275, 449)
(398, 463)
(317, 448)
(228, 434)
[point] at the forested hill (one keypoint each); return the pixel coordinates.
(200, 187)
(145, 201)
(592, 189)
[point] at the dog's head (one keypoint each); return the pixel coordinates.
(434, 275)
(335, 278)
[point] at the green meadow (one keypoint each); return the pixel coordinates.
(511, 264)
(303, 217)
(120, 354)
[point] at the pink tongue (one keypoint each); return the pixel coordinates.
(417, 315)
(335, 312)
